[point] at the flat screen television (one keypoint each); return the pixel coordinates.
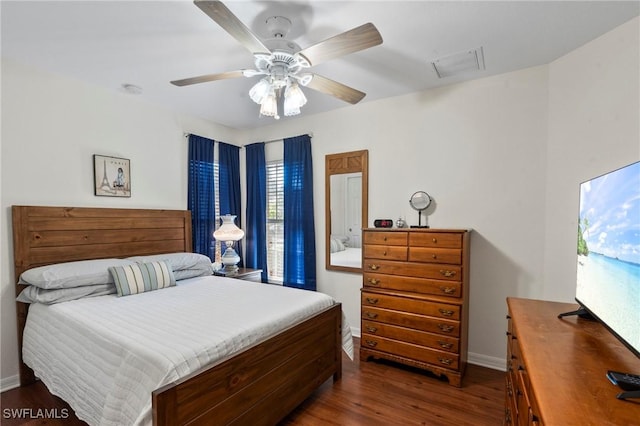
(608, 252)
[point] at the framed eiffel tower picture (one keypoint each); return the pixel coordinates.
(111, 176)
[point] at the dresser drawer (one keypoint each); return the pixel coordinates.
(409, 350)
(435, 255)
(435, 239)
(409, 320)
(416, 306)
(413, 284)
(420, 270)
(437, 341)
(510, 411)
(385, 252)
(386, 238)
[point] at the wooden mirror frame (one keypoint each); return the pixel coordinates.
(343, 163)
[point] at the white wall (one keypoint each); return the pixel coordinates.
(502, 155)
(594, 127)
(51, 127)
(479, 150)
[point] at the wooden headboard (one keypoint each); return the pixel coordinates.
(47, 235)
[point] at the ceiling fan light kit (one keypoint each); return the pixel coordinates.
(283, 64)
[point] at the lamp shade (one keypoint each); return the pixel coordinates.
(294, 95)
(269, 106)
(293, 99)
(228, 231)
(260, 90)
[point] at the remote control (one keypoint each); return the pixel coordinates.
(625, 381)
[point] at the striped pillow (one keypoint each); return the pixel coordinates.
(141, 277)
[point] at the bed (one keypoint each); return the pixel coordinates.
(259, 385)
(343, 252)
(350, 257)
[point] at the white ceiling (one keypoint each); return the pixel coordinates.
(149, 43)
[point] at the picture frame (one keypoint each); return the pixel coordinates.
(111, 176)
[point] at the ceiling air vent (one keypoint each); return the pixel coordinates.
(459, 63)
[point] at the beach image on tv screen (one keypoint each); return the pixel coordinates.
(608, 273)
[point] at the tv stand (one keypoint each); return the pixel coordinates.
(557, 369)
(581, 312)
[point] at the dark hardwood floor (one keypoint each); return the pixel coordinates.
(369, 393)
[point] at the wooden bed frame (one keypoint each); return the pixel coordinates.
(259, 386)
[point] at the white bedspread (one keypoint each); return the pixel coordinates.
(105, 355)
(350, 257)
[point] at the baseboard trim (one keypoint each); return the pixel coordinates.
(487, 361)
(8, 383)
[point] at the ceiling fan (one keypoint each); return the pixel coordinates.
(283, 64)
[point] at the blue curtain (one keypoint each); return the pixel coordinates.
(229, 181)
(201, 194)
(299, 230)
(256, 222)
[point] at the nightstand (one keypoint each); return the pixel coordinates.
(246, 274)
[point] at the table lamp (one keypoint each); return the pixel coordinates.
(229, 233)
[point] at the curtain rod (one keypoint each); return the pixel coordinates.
(275, 140)
(186, 135)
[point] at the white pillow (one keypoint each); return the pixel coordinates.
(341, 238)
(183, 264)
(336, 245)
(33, 294)
(72, 274)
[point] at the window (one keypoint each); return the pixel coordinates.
(217, 245)
(275, 221)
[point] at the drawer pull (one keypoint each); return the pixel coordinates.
(446, 312)
(373, 281)
(373, 267)
(371, 343)
(371, 315)
(371, 329)
(445, 361)
(446, 328)
(384, 253)
(509, 389)
(445, 345)
(433, 256)
(435, 240)
(448, 290)
(372, 300)
(384, 238)
(447, 273)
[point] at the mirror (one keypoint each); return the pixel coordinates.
(346, 205)
(420, 201)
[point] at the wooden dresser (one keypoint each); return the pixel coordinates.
(556, 369)
(415, 298)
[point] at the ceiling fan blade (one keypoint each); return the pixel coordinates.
(208, 77)
(354, 40)
(333, 88)
(231, 24)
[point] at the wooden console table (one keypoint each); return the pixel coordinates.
(557, 368)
